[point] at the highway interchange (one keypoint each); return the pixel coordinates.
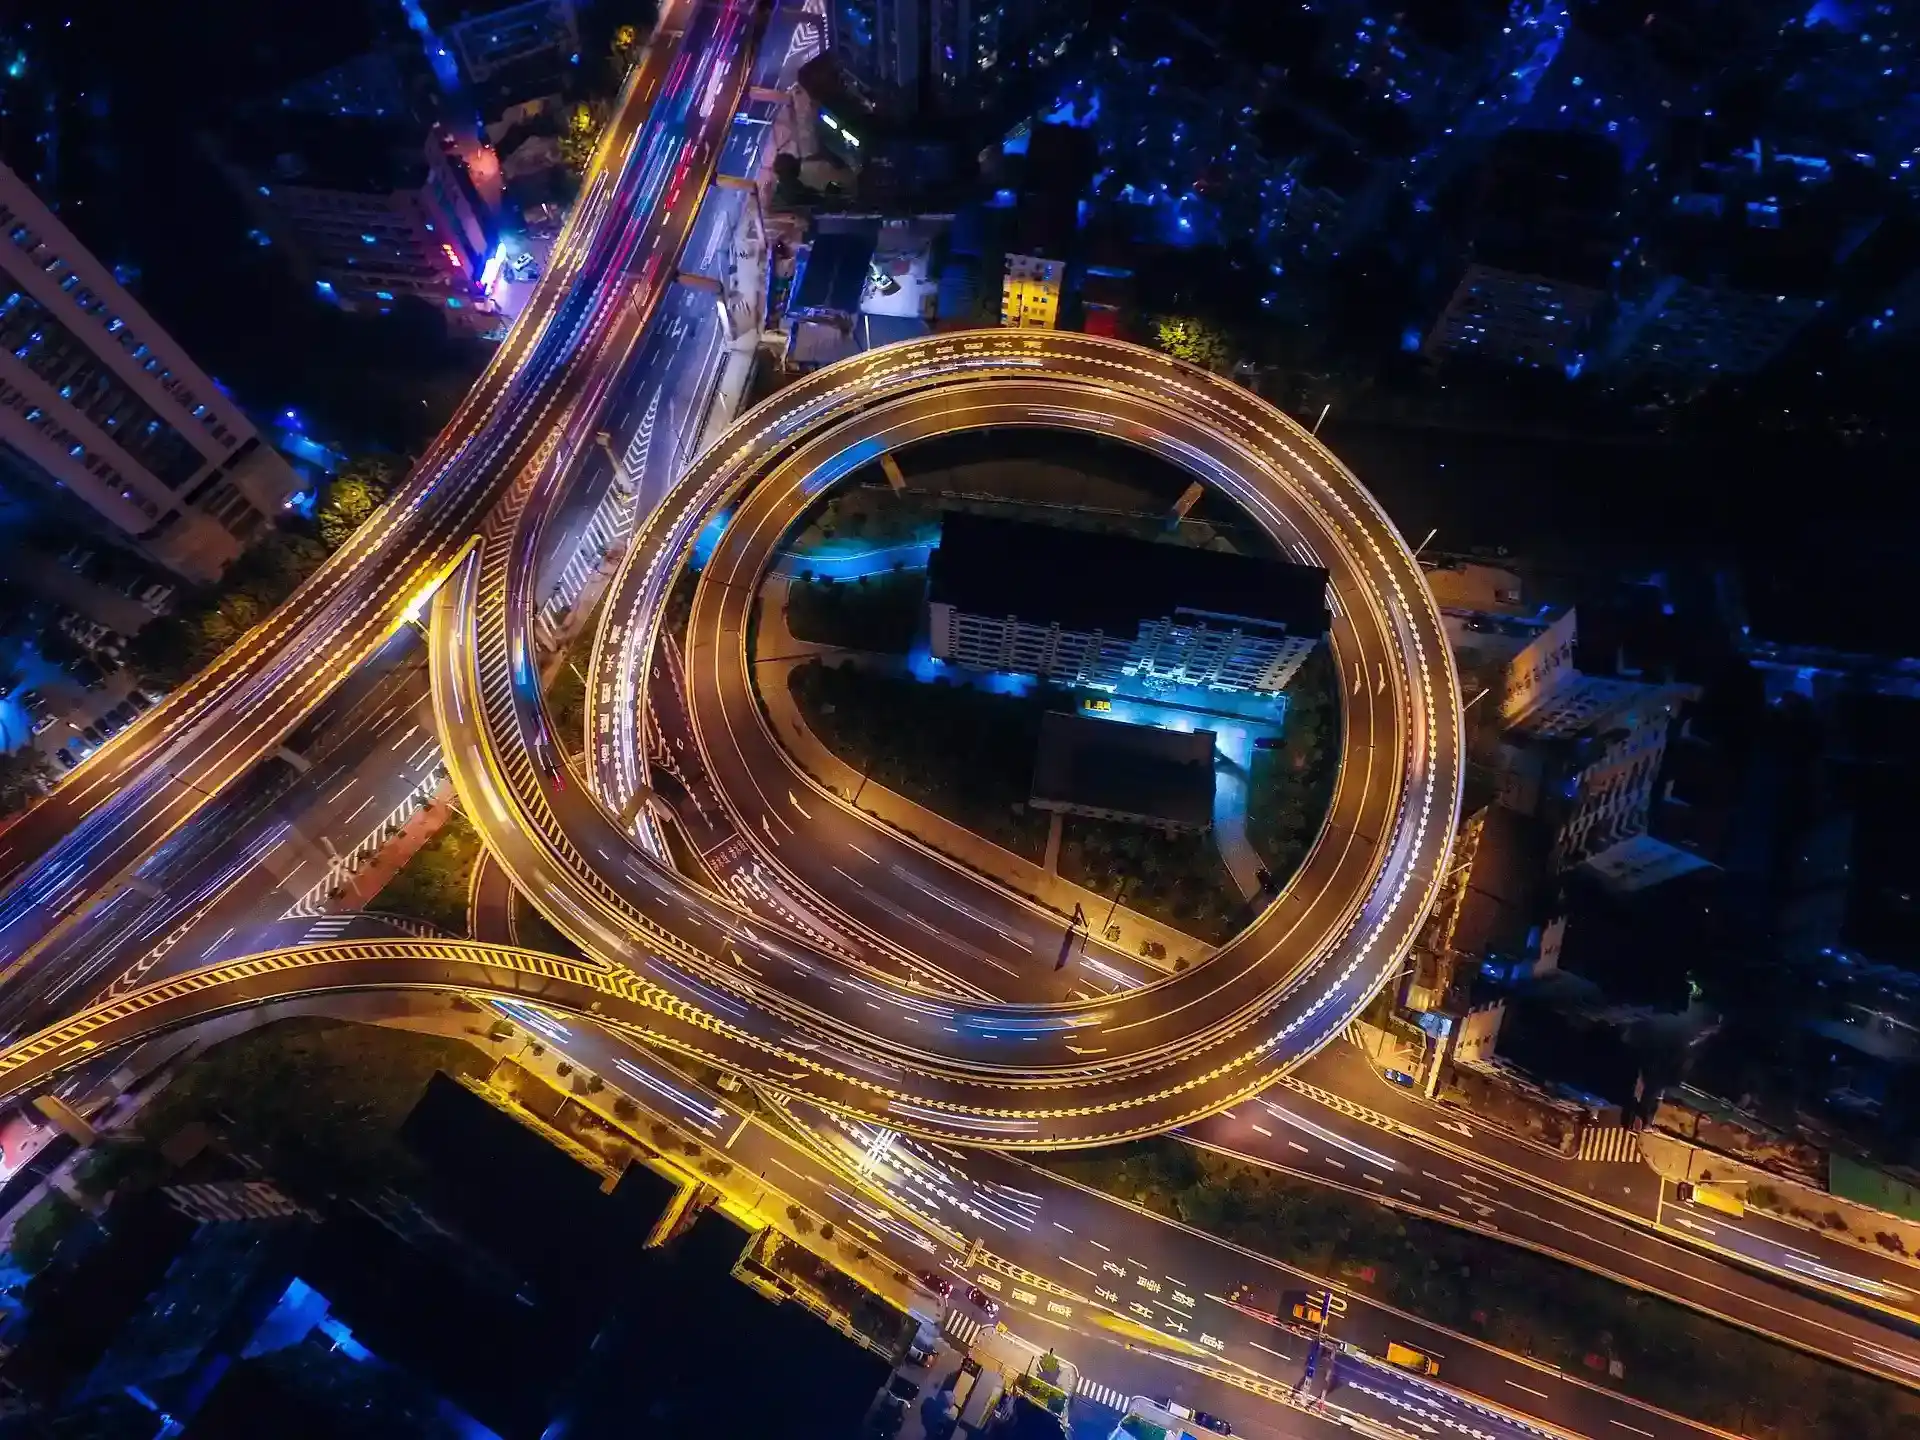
(872, 1000)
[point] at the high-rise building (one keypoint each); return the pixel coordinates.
(1581, 753)
(97, 400)
(1100, 610)
(939, 55)
(489, 39)
(1542, 222)
(368, 210)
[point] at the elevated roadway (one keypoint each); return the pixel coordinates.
(616, 254)
(820, 1025)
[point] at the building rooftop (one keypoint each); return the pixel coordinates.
(1130, 769)
(1548, 205)
(1509, 890)
(835, 272)
(1085, 581)
(364, 155)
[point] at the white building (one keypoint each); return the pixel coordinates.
(97, 399)
(1094, 610)
(1582, 752)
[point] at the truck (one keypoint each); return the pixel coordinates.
(1407, 1358)
(1712, 1197)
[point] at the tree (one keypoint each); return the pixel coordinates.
(25, 775)
(578, 139)
(38, 1233)
(355, 493)
(1188, 338)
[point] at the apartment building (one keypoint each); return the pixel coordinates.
(97, 400)
(1096, 610)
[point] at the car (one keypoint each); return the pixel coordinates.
(65, 757)
(92, 734)
(936, 1282)
(982, 1301)
(1408, 1358)
(918, 1356)
(1198, 1417)
(139, 701)
(905, 1388)
(1315, 1307)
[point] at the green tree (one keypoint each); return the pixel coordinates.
(354, 494)
(1187, 338)
(25, 775)
(38, 1233)
(578, 138)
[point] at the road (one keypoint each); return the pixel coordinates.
(1135, 1062)
(907, 1197)
(570, 384)
(131, 795)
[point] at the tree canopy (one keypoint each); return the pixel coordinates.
(1188, 338)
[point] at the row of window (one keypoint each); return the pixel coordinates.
(66, 363)
(21, 404)
(95, 305)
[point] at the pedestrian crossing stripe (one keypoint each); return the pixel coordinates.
(960, 1327)
(1611, 1143)
(1102, 1394)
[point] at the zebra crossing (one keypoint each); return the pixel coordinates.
(612, 522)
(1614, 1144)
(343, 868)
(1102, 1394)
(960, 1327)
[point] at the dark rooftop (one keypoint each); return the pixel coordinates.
(1083, 581)
(1547, 205)
(1509, 892)
(363, 155)
(1132, 770)
(835, 272)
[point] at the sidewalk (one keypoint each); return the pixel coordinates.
(775, 654)
(392, 857)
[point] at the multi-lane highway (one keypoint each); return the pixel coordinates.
(789, 1010)
(127, 798)
(860, 976)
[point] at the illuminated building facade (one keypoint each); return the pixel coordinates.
(96, 399)
(367, 211)
(1096, 610)
(1030, 292)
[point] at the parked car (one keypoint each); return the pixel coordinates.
(138, 700)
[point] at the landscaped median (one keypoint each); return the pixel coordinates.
(1511, 1298)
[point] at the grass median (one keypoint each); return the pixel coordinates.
(1510, 1297)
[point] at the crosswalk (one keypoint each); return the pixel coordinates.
(1102, 1394)
(343, 868)
(1612, 1143)
(960, 1327)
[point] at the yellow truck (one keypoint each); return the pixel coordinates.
(1408, 1358)
(1713, 1197)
